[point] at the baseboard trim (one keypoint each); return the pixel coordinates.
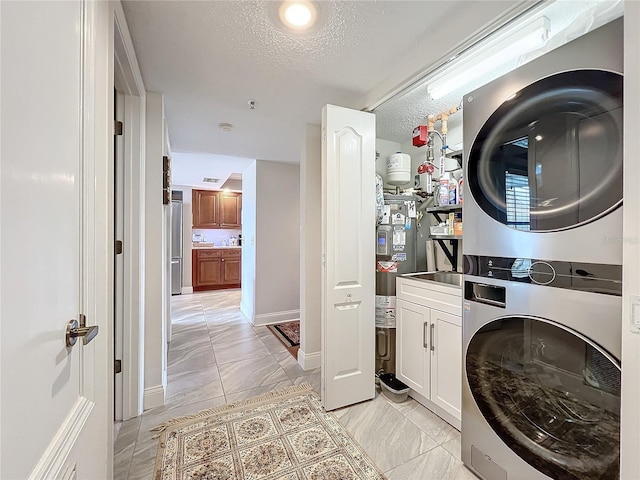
(153, 397)
(52, 464)
(276, 317)
(309, 361)
(187, 290)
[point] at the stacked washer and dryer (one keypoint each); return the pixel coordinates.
(543, 266)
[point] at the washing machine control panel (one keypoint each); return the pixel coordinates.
(590, 277)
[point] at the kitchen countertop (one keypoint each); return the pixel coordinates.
(210, 246)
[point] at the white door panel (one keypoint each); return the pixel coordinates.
(446, 379)
(47, 402)
(348, 206)
(413, 357)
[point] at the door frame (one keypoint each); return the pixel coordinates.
(127, 80)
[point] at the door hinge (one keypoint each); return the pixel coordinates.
(117, 366)
(118, 247)
(118, 128)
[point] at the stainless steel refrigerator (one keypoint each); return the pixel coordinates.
(176, 246)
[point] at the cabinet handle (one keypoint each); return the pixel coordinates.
(433, 328)
(424, 335)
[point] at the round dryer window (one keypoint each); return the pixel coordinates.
(550, 394)
(550, 157)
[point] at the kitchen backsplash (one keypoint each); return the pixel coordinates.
(216, 236)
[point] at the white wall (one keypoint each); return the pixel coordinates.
(277, 293)
(156, 316)
(630, 416)
(271, 242)
(310, 249)
(249, 181)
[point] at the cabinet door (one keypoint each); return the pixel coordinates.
(446, 362)
(209, 271)
(231, 271)
(230, 206)
(412, 345)
(205, 209)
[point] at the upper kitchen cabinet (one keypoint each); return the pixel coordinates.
(205, 209)
(230, 206)
(216, 209)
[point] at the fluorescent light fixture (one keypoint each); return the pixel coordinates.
(488, 57)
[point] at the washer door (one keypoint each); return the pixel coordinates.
(550, 157)
(550, 394)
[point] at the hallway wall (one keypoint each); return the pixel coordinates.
(311, 248)
(156, 222)
(271, 237)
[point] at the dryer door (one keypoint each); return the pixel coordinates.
(550, 394)
(550, 157)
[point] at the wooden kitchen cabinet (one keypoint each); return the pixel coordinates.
(216, 268)
(229, 209)
(216, 209)
(205, 209)
(429, 345)
(231, 269)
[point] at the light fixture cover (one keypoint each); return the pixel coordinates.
(488, 57)
(298, 15)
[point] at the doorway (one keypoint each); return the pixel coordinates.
(128, 227)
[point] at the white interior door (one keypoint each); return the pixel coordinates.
(348, 241)
(53, 415)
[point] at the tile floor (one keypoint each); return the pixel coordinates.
(216, 356)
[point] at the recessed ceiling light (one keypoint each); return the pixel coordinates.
(298, 15)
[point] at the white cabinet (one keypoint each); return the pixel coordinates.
(446, 362)
(413, 361)
(429, 344)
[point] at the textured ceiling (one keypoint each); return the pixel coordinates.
(568, 19)
(210, 57)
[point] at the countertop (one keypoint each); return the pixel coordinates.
(209, 246)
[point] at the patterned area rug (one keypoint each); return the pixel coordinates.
(288, 333)
(280, 435)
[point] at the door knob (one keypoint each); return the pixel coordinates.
(74, 331)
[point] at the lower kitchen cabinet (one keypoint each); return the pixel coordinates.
(216, 268)
(429, 346)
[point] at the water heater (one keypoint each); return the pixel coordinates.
(395, 254)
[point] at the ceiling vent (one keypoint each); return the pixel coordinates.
(210, 180)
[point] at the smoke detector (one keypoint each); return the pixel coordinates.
(225, 127)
